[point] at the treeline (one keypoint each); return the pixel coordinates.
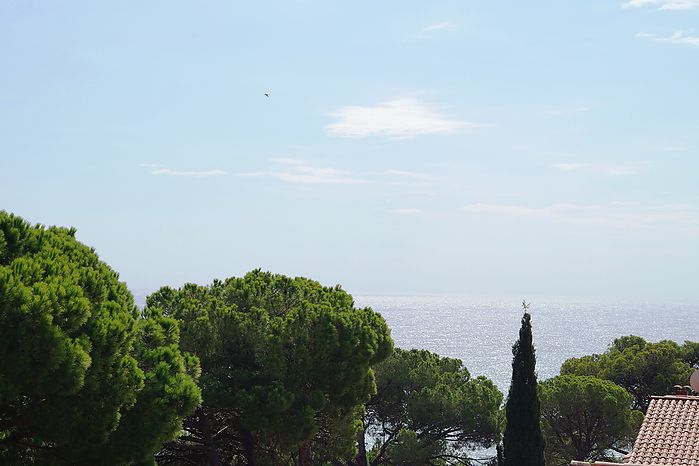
(593, 410)
(258, 370)
(266, 370)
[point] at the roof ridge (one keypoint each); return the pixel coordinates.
(675, 397)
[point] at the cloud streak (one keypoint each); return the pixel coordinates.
(406, 175)
(663, 4)
(673, 149)
(615, 214)
(437, 27)
(298, 171)
(292, 170)
(679, 37)
(400, 118)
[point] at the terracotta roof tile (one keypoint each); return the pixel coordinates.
(669, 434)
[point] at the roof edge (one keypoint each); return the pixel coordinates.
(673, 397)
(604, 463)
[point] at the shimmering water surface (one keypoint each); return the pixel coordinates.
(481, 331)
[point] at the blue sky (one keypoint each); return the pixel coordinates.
(471, 147)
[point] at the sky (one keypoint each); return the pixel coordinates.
(406, 147)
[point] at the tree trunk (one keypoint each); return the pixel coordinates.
(305, 458)
(210, 445)
(361, 459)
(248, 446)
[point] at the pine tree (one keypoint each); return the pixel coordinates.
(85, 378)
(523, 441)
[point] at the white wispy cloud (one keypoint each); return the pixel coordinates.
(663, 4)
(193, 174)
(615, 214)
(679, 37)
(308, 174)
(404, 174)
(602, 168)
(298, 171)
(406, 211)
(673, 149)
(437, 27)
(400, 118)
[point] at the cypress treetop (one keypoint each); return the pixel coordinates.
(523, 441)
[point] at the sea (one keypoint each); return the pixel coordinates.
(480, 330)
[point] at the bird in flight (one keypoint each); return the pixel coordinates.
(267, 94)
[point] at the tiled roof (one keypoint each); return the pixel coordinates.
(669, 434)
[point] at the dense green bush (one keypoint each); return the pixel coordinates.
(84, 379)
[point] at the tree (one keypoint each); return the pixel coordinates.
(642, 368)
(691, 353)
(286, 363)
(84, 379)
(584, 418)
(407, 449)
(169, 393)
(523, 442)
(430, 410)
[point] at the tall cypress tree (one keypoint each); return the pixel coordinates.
(523, 442)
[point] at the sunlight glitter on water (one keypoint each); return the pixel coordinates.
(481, 331)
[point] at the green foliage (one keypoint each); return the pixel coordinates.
(523, 442)
(691, 353)
(281, 358)
(76, 365)
(170, 391)
(410, 450)
(337, 435)
(642, 368)
(584, 417)
(429, 406)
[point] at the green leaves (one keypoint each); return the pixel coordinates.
(169, 392)
(583, 417)
(690, 351)
(283, 360)
(408, 449)
(429, 405)
(633, 370)
(523, 443)
(642, 368)
(74, 368)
